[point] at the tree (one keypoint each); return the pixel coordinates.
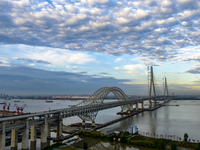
(123, 139)
(185, 137)
(173, 146)
(198, 146)
(161, 144)
(85, 145)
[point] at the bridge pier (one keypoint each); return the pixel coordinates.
(3, 136)
(33, 137)
(136, 106)
(142, 105)
(14, 139)
(48, 133)
(25, 136)
(150, 104)
(44, 134)
(155, 103)
(131, 107)
(93, 124)
(59, 129)
(83, 123)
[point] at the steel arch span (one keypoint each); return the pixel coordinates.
(98, 98)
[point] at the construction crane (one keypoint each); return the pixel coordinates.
(4, 107)
(8, 107)
(20, 109)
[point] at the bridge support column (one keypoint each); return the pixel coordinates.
(155, 103)
(3, 136)
(59, 128)
(14, 139)
(48, 133)
(131, 107)
(142, 105)
(83, 123)
(93, 123)
(136, 106)
(150, 104)
(25, 137)
(44, 134)
(33, 137)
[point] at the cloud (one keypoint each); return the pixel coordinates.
(133, 69)
(194, 70)
(4, 61)
(46, 56)
(194, 58)
(33, 61)
(118, 59)
(147, 28)
(60, 57)
(20, 80)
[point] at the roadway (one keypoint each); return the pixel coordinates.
(53, 115)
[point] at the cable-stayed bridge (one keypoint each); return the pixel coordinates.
(86, 110)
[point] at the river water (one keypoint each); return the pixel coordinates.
(168, 121)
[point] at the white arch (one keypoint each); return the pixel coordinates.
(99, 96)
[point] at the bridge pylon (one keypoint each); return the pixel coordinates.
(166, 92)
(151, 86)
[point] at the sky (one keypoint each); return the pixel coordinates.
(63, 47)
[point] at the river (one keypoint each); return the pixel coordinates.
(167, 121)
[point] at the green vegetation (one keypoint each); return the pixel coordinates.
(173, 146)
(53, 146)
(198, 146)
(185, 137)
(85, 145)
(96, 134)
(143, 141)
(148, 142)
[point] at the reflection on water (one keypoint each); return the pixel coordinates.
(168, 121)
(96, 144)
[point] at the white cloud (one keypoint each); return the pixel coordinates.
(104, 26)
(4, 61)
(55, 57)
(99, 25)
(70, 8)
(187, 14)
(93, 2)
(140, 14)
(122, 20)
(166, 3)
(133, 69)
(118, 59)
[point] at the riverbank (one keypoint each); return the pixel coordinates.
(127, 139)
(139, 140)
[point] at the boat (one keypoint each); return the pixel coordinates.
(49, 101)
(16, 101)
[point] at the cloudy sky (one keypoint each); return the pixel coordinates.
(78, 46)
